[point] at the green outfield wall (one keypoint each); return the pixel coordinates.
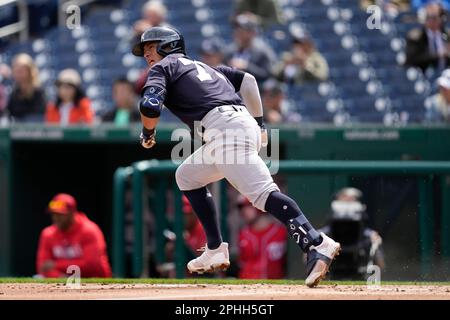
(37, 161)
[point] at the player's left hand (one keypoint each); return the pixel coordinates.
(147, 138)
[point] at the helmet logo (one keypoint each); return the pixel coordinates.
(173, 44)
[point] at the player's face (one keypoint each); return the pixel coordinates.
(62, 221)
(150, 54)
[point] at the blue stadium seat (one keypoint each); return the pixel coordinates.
(352, 89)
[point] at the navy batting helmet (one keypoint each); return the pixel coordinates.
(169, 41)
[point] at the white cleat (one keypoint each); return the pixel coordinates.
(211, 260)
(319, 260)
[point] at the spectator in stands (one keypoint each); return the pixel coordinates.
(269, 10)
(250, 53)
(303, 63)
(5, 73)
(211, 52)
(361, 245)
(73, 239)
(391, 7)
(420, 4)
(438, 105)
(154, 13)
(27, 100)
(262, 244)
(71, 106)
(125, 110)
(428, 46)
(276, 108)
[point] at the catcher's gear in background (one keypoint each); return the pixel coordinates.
(147, 138)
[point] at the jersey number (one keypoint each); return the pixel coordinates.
(202, 74)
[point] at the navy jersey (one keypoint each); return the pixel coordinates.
(190, 89)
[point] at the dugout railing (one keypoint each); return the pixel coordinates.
(161, 175)
(21, 26)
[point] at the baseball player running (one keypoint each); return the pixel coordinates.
(195, 92)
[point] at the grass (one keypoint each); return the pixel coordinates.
(210, 281)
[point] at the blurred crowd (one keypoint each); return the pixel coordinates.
(22, 98)
(26, 101)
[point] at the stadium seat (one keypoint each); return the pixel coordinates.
(364, 64)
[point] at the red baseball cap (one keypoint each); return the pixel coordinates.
(62, 203)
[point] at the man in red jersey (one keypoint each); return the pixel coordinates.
(73, 239)
(262, 244)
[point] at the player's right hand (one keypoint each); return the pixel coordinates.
(147, 138)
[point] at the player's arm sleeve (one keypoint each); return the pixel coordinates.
(153, 93)
(250, 94)
(235, 76)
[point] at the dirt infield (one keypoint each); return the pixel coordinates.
(220, 291)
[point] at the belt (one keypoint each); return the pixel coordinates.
(230, 108)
